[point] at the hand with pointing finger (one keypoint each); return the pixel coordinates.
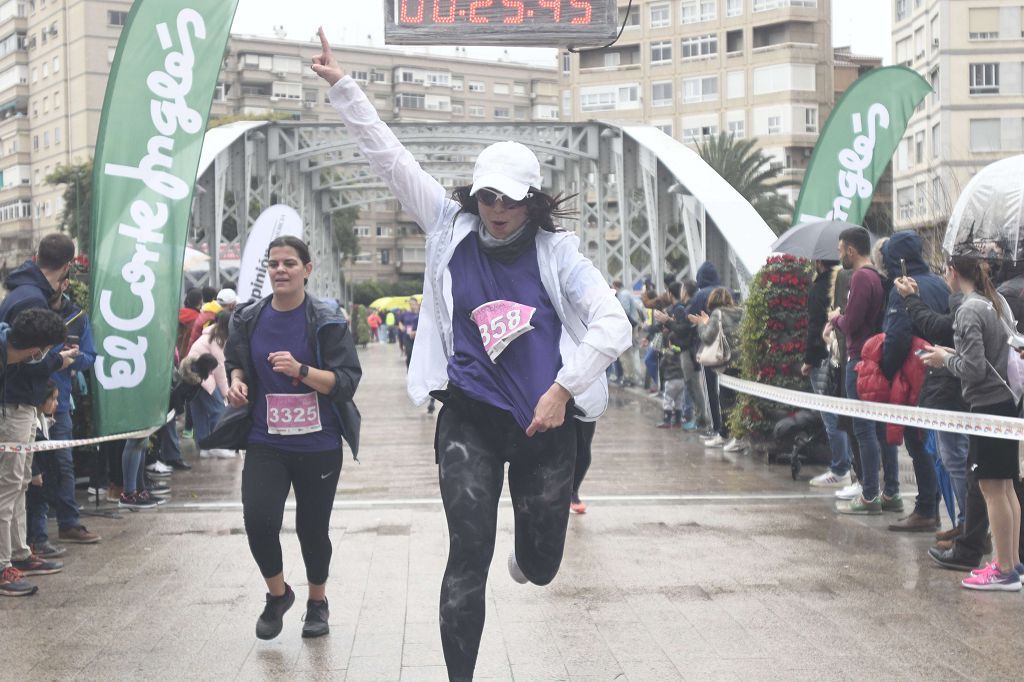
(324, 64)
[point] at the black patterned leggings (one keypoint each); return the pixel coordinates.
(473, 443)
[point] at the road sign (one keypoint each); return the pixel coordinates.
(549, 23)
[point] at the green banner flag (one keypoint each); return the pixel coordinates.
(151, 134)
(856, 144)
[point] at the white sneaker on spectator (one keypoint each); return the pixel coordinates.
(223, 453)
(830, 480)
(206, 454)
(715, 442)
(159, 469)
(735, 445)
(850, 492)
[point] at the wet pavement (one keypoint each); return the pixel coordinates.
(690, 564)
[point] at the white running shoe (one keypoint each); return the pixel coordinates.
(223, 453)
(158, 468)
(850, 492)
(514, 570)
(830, 480)
(715, 442)
(735, 445)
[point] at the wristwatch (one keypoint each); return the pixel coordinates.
(304, 371)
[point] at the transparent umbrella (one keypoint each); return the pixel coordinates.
(989, 215)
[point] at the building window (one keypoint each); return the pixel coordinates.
(661, 94)
(811, 120)
(690, 9)
(477, 86)
(935, 141)
(362, 230)
(700, 46)
(737, 129)
(985, 135)
(661, 52)
(708, 10)
(774, 125)
(699, 132)
(983, 23)
(661, 15)
(566, 63)
(502, 112)
(933, 77)
(700, 89)
(783, 77)
(736, 84)
(476, 111)
(116, 18)
(665, 128)
(410, 101)
(385, 256)
(919, 148)
(56, 65)
(902, 7)
(613, 59)
(502, 89)
(984, 79)
(519, 89)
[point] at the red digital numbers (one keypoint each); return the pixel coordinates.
(406, 18)
(555, 6)
(476, 5)
(444, 18)
(520, 9)
(587, 11)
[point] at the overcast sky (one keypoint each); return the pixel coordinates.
(864, 24)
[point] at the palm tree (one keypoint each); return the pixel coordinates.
(749, 170)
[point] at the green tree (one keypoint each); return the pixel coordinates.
(343, 223)
(77, 181)
(748, 169)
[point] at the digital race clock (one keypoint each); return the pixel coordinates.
(551, 23)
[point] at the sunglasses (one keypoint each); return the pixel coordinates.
(488, 197)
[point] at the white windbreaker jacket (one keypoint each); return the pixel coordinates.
(595, 330)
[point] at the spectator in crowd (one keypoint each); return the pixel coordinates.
(981, 360)
(699, 379)
(37, 497)
(681, 334)
(33, 285)
(817, 365)
(209, 403)
(226, 300)
(861, 321)
(670, 354)
(723, 316)
(391, 323)
(187, 315)
(902, 253)
(373, 322)
(59, 472)
(630, 359)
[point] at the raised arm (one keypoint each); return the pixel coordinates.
(420, 194)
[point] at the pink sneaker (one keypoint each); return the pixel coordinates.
(992, 579)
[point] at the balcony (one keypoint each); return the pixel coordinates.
(785, 46)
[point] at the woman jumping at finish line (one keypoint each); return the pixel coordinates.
(293, 367)
(502, 285)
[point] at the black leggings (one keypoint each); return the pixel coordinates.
(266, 478)
(584, 440)
(473, 443)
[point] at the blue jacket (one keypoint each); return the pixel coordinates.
(707, 281)
(26, 384)
(78, 325)
(897, 325)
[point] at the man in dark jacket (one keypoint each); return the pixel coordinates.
(707, 281)
(684, 335)
(816, 367)
(902, 253)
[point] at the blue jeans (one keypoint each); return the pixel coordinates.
(170, 448)
(651, 363)
(870, 437)
(838, 441)
(132, 460)
(58, 469)
(924, 472)
(953, 448)
(206, 412)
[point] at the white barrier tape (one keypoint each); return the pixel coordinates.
(975, 424)
(47, 445)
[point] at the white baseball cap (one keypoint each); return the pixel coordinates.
(508, 167)
(227, 297)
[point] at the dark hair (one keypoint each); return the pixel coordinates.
(718, 298)
(194, 298)
(857, 237)
(541, 209)
(617, 283)
(976, 270)
(676, 289)
(294, 242)
(209, 294)
(219, 331)
(37, 328)
(690, 286)
(55, 251)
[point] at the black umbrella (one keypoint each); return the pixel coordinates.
(818, 240)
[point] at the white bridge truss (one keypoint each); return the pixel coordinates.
(645, 203)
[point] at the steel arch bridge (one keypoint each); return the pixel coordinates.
(645, 203)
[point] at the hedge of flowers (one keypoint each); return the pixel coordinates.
(772, 341)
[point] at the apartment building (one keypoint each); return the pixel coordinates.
(972, 53)
(760, 68)
(262, 75)
(55, 57)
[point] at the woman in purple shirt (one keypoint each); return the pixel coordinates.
(293, 370)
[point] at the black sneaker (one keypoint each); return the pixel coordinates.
(147, 495)
(179, 465)
(157, 487)
(135, 502)
(948, 558)
(272, 619)
(315, 619)
(34, 565)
